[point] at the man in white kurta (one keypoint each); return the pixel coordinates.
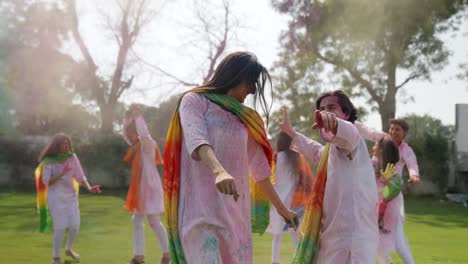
(349, 231)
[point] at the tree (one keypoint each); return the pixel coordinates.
(211, 32)
(364, 45)
(37, 95)
(134, 15)
(5, 123)
(430, 140)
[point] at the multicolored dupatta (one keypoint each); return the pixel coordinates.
(45, 220)
(172, 158)
(308, 246)
(133, 157)
(392, 188)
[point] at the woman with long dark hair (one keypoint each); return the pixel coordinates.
(57, 179)
(292, 182)
(213, 144)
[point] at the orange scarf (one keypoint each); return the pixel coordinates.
(133, 157)
(305, 181)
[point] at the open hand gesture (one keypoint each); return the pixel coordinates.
(389, 172)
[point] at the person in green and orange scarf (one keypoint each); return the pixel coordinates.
(340, 218)
(293, 182)
(213, 144)
(145, 194)
(57, 179)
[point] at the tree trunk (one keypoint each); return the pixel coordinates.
(107, 119)
(388, 108)
(387, 112)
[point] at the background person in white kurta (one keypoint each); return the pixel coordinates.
(150, 202)
(349, 231)
(286, 174)
(62, 198)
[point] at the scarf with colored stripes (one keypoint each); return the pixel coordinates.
(172, 158)
(133, 157)
(45, 220)
(308, 246)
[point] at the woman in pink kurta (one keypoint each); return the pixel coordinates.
(218, 155)
(349, 231)
(62, 197)
(145, 196)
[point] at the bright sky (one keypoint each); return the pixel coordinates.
(166, 42)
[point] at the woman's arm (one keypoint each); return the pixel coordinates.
(81, 178)
(225, 183)
(267, 188)
(55, 178)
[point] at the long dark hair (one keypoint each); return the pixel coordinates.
(236, 68)
(346, 106)
(390, 152)
(284, 144)
(53, 148)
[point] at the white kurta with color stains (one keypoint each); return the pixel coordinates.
(349, 232)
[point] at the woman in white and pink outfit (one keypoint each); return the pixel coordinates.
(145, 196)
(62, 197)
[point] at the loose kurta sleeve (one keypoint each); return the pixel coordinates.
(192, 117)
(78, 170)
(46, 173)
(125, 122)
(369, 133)
(311, 149)
(346, 138)
(259, 168)
(410, 160)
(147, 142)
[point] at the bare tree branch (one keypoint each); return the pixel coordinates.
(129, 26)
(365, 83)
(164, 72)
(219, 47)
(411, 77)
(92, 67)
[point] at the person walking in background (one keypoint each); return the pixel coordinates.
(58, 177)
(145, 194)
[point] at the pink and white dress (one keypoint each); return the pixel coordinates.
(212, 226)
(62, 198)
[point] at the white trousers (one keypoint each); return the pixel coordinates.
(276, 245)
(402, 248)
(58, 238)
(139, 233)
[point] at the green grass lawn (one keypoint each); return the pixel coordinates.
(437, 231)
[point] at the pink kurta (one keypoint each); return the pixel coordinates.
(212, 226)
(62, 198)
(151, 192)
(349, 231)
